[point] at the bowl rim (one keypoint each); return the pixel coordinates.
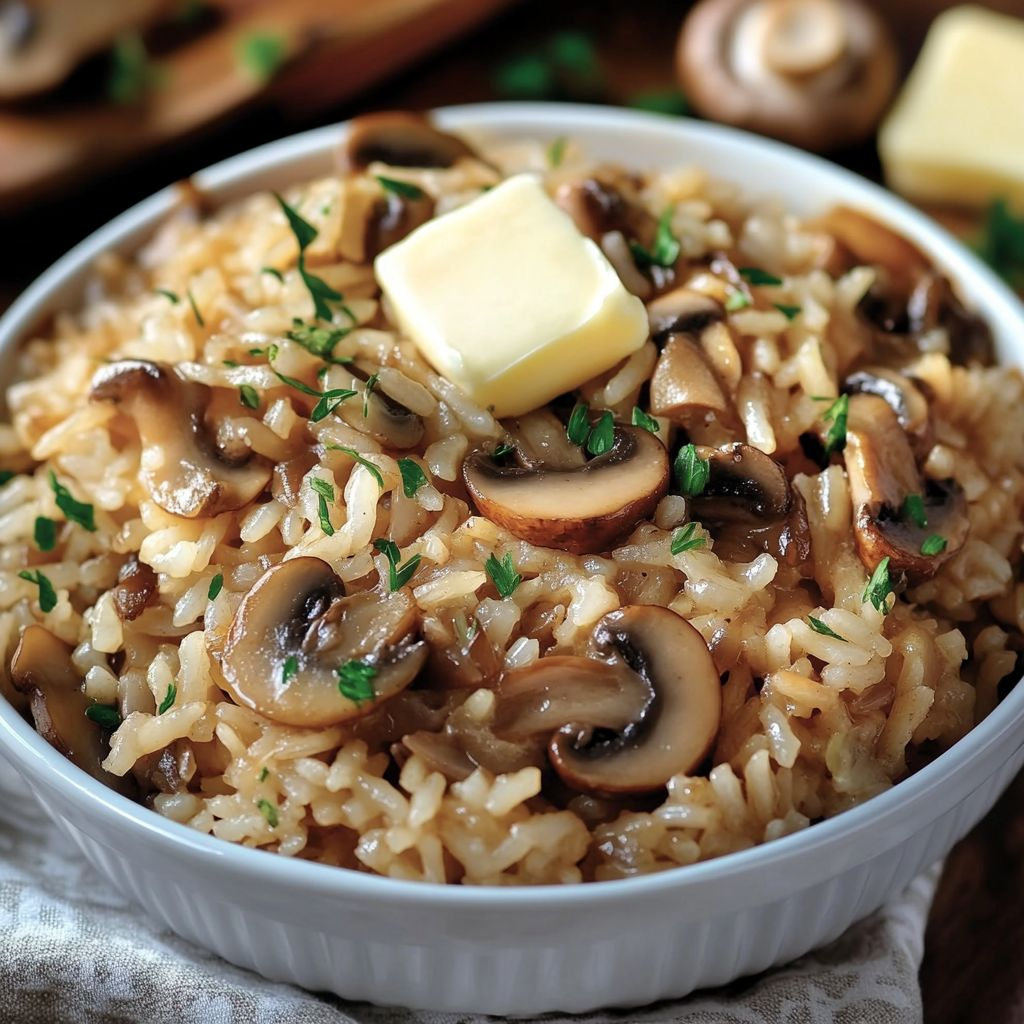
(31, 755)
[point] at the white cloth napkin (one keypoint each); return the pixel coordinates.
(72, 950)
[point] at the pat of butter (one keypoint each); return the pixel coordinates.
(957, 131)
(508, 300)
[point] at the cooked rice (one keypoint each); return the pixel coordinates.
(811, 725)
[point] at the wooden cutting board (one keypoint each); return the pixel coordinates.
(329, 50)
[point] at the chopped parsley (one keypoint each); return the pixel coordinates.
(249, 396)
(6, 476)
(319, 290)
(913, 511)
(413, 477)
(289, 669)
(665, 250)
(578, 429)
(269, 812)
(74, 511)
(132, 75)
(1001, 244)
(661, 101)
(263, 775)
(171, 297)
(684, 540)
(933, 544)
(104, 715)
(325, 493)
(355, 681)
(403, 189)
(261, 54)
(879, 587)
(789, 312)
(836, 414)
(556, 151)
(502, 450)
(169, 698)
(273, 272)
(229, 363)
(216, 586)
(503, 574)
(45, 533)
(195, 308)
(755, 275)
(319, 341)
(328, 400)
(47, 595)
(641, 419)
(365, 463)
(398, 575)
(692, 472)
(602, 436)
(819, 627)
(371, 383)
(736, 300)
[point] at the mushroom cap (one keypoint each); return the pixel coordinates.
(645, 708)
(393, 217)
(183, 470)
(42, 669)
(744, 484)
(296, 628)
(578, 510)
(682, 311)
(381, 416)
(817, 73)
(683, 386)
(903, 395)
(598, 207)
(399, 138)
(137, 587)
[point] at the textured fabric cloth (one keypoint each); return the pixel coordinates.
(72, 951)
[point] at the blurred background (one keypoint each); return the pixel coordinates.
(103, 102)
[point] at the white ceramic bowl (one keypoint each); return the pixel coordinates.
(516, 950)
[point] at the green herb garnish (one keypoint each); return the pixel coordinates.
(104, 715)
(789, 312)
(398, 575)
(169, 697)
(355, 681)
(319, 290)
(289, 669)
(578, 429)
(836, 414)
(556, 151)
(47, 595)
(261, 54)
(879, 587)
(691, 471)
(263, 775)
(273, 272)
(74, 511)
(662, 101)
(269, 812)
(819, 627)
(325, 493)
(328, 400)
(249, 396)
(503, 574)
(371, 383)
(665, 250)
(364, 462)
(45, 533)
(641, 419)
(6, 476)
(1001, 244)
(684, 540)
(755, 275)
(172, 297)
(933, 544)
(132, 75)
(913, 510)
(602, 437)
(216, 586)
(502, 450)
(319, 341)
(736, 300)
(413, 477)
(404, 189)
(195, 308)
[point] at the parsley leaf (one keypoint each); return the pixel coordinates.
(169, 697)
(171, 297)
(320, 341)
(413, 477)
(104, 715)
(47, 595)
(261, 54)
(578, 429)
(879, 587)
(131, 74)
(683, 539)
(371, 383)
(328, 400)
(74, 511)
(602, 437)
(819, 627)
(913, 510)
(195, 308)
(325, 493)
(273, 272)
(216, 586)
(289, 669)
(249, 396)
(263, 775)
(404, 189)
(365, 463)
(45, 533)
(503, 574)
(789, 312)
(269, 812)
(6, 476)
(398, 576)
(319, 290)
(641, 419)
(933, 544)
(556, 151)
(502, 450)
(737, 300)
(755, 275)
(355, 681)
(665, 250)
(691, 471)
(836, 414)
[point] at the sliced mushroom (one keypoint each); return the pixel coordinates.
(578, 510)
(743, 484)
(682, 311)
(137, 586)
(393, 217)
(598, 207)
(183, 469)
(882, 471)
(295, 631)
(288, 476)
(400, 139)
(42, 669)
(385, 420)
(903, 395)
(541, 442)
(646, 707)
(683, 387)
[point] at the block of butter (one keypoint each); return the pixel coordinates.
(956, 133)
(505, 298)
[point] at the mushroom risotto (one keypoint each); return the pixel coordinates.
(484, 514)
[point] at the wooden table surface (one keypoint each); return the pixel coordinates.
(973, 948)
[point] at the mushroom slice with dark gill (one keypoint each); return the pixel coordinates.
(578, 510)
(42, 669)
(399, 139)
(682, 311)
(883, 473)
(392, 217)
(383, 418)
(183, 469)
(646, 706)
(137, 587)
(903, 395)
(301, 653)
(598, 207)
